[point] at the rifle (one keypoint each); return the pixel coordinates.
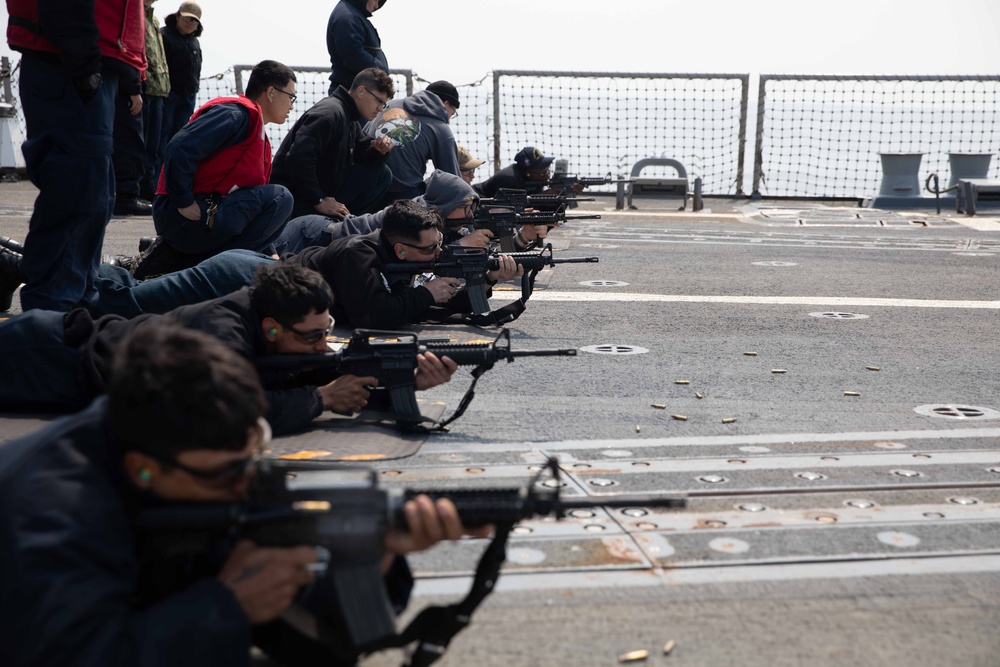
(471, 264)
(521, 200)
(505, 213)
(391, 356)
(567, 183)
(343, 511)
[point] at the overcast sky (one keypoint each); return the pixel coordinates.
(462, 40)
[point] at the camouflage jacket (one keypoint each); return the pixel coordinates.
(157, 77)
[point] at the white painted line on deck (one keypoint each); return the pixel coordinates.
(511, 581)
(859, 302)
(716, 440)
(979, 224)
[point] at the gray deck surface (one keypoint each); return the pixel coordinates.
(822, 528)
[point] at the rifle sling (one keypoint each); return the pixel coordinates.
(435, 627)
(510, 312)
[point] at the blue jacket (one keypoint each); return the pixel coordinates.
(77, 589)
(353, 43)
(70, 590)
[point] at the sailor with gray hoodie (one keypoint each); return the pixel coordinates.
(447, 194)
(418, 127)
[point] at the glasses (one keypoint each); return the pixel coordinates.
(230, 473)
(434, 247)
(190, 19)
(290, 96)
(382, 104)
(312, 336)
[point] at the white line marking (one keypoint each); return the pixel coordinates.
(857, 569)
(715, 440)
(578, 297)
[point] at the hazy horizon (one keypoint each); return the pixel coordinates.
(463, 40)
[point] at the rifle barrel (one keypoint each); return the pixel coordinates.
(563, 352)
(630, 500)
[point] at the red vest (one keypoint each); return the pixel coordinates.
(245, 165)
(121, 27)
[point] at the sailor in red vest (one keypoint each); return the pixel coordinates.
(213, 191)
(73, 56)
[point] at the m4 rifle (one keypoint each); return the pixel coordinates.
(391, 356)
(472, 264)
(345, 513)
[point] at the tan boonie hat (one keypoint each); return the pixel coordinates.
(190, 9)
(465, 160)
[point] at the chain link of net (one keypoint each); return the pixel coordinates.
(823, 137)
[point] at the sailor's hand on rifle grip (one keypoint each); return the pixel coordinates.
(478, 238)
(443, 289)
(508, 269)
(265, 580)
(534, 232)
(432, 371)
(347, 394)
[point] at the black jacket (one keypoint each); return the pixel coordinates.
(231, 319)
(317, 153)
(81, 585)
(363, 296)
(70, 576)
(510, 177)
(183, 57)
(352, 42)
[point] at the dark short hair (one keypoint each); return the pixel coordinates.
(289, 292)
(375, 79)
(174, 389)
(405, 219)
(268, 73)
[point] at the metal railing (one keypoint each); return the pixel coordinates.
(821, 136)
(815, 136)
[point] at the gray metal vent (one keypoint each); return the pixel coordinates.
(953, 411)
(834, 315)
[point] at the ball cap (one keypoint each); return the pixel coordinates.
(190, 9)
(466, 161)
(531, 158)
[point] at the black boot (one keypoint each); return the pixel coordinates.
(160, 258)
(132, 206)
(11, 276)
(127, 262)
(145, 242)
(11, 244)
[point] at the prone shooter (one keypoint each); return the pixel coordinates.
(392, 358)
(346, 514)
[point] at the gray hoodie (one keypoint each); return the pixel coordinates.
(418, 125)
(446, 192)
